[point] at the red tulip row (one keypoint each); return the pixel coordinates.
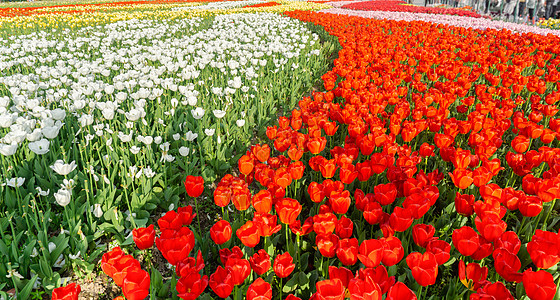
(265, 4)
(401, 6)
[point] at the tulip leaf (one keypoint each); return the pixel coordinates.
(304, 261)
(302, 279)
(24, 293)
(290, 285)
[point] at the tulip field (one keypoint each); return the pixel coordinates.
(253, 149)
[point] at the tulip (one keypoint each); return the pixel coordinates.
(191, 286)
(465, 240)
(288, 210)
(221, 232)
(259, 290)
(239, 269)
(424, 267)
(194, 186)
(422, 234)
(69, 292)
(136, 285)
(221, 282)
(283, 265)
(347, 251)
(539, 285)
(330, 289)
(144, 237)
(260, 262)
(400, 292)
(249, 234)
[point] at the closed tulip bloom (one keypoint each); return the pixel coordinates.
(330, 289)
(347, 251)
(221, 232)
(539, 285)
(249, 234)
(175, 245)
(239, 269)
(283, 265)
(424, 267)
(136, 284)
(191, 286)
(465, 240)
(194, 186)
(221, 282)
(259, 290)
(144, 237)
(288, 210)
(327, 244)
(422, 234)
(69, 292)
(400, 291)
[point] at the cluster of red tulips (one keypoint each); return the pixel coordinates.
(402, 6)
(431, 159)
(126, 272)
(265, 4)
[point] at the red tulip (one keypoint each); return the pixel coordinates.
(507, 264)
(401, 219)
(385, 194)
(260, 262)
(175, 246)
(221, 232)
(327, 244)
(330, 289)
(422, 234)
(539, 285)
(441, 250)
(283, 265)
(473, 275)
(341, 273)
(136, 285)
(347, 251)
(221, 282)
(360, 289)
(371, 253)
(288, 210)
(109, 259)
(328, 168)
(69, 292)
(344, 227)
(190, 287)
(194, 185)
(393, 251)
(495, 290)
(239, 270)
(464, 204)
(246, 164)
(400, 291)
(424, 267)
(324, 224)
(190, 265)
(465, 240)
(222, 196)
(543, 249)
(262, 153)
(340, 201)
(144, 237)
(226, 254)
(259, 290)
(249, 234)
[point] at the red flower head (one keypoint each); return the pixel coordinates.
(464, 204)
(222, 196)
(283, 265)
(328, 168)
(422, 234)
(360, 289)
(266, 223)
(341, 273)
(260, 262)
(262, 153)
(221, 282)
(393, 251)
(144, 237)
(190, 265)
(507, 264)
(296, 170)
(189, 287)
(462, 178)
(221, 232)
(330, 289)
(175, 245)
(340, 201)
(344, 227)
(259, 290)
(424, 267)
(226, 254)
(465, 240)
(324, 224)
(262, 201)
(473, 275)
(509, 241)
(400, 291)
(539, 285)
(543, 249)
(288, 210)
(401, 219)
(136, 285)
(385, 194)
(69, 292)
(371, 253)
(315, 191)
(239, 269)
(249, 234)
(109, 259)
(194, 185)
(246, 164)
(495, 290)
(327, 244)
(441, 249)
(122, 266)
(347, 251)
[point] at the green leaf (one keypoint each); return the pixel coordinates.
(304, 261)
(24, 293)
(290, 285)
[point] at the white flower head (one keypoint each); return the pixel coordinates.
(41, 192)
(240, 123)
(190, 136)
(39, 147)
(15, 182)
(63, 197)
(96, 210)
(209, 132)
(184, 151)
(134, 150)
(62, 168)
(219, 113)
(197, 113)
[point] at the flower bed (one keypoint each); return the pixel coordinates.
(98, 125)
(401, 6)
(416, 174)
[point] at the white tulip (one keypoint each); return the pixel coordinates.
(62, 168)
(240, 123)
(219, 113)
(39, 147)
(63, 197)
(15, 182)
(197, 113)
(8, 150)
(209, 132)
(134, 150)
(58, 114)
(96, 210)
(190, 136)
(184, 151)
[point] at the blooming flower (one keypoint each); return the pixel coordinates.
(62, 168)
